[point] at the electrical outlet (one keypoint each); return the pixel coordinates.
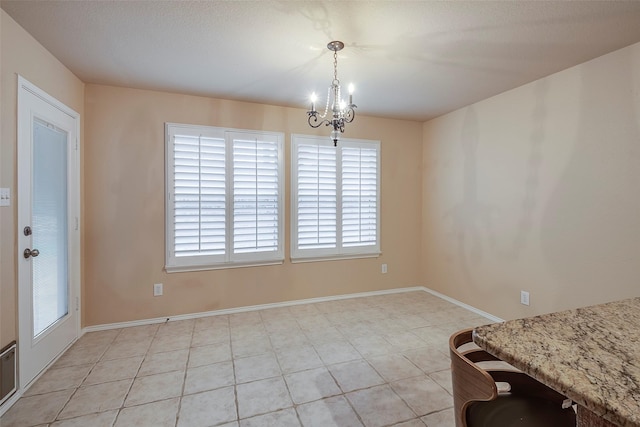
(384, 268)
(157, 289)
(524, 297)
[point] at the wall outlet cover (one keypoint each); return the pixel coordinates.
(157, 289)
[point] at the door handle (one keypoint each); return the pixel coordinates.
(31, 253)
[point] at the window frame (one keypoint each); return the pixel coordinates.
(339, 251)
(228, 259)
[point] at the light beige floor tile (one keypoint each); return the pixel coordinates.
(362, 328)
(406, 340)
(129, 348)
(162, 343)
(411, 423)
(303, 310)
(248, 332)
(380, 406)
(78, 355)
(298, 358)
(337, 352)
(251, 347)
(324, 335)
(179, 327)
(331, 412)
(412, 321)
(158, 363)
(156, 414)
(443, 378)
(440, 419)
(246, 318)
(288, 339)
(33, 410)
(256, 368)
(355, 375)
(98, 339)
(389, 326)
(304, 340)
(114, 370)
(101, 419)
(212, 323)
(56, 379)
(372, 345)
(428, 359)
(209, 354)
(314, 384)
(155, 387)
(261, 397)
(96, 398)
(209, 336)
(313, 322)
(434, 337)
(282, 325)
(209, 377)
(423, 395)
(135, 333)
(207, 409)
(282, 418)
(394, 367)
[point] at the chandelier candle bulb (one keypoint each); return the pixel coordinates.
(351, 94)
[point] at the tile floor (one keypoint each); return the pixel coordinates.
(370, 361)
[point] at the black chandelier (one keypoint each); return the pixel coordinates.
(341, 112)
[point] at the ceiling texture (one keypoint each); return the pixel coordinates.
(411, 60)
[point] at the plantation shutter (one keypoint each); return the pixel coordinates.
(199, 202)
(256, 193)
(359, 196)
(316, 196)
(335, 198)
(224, 204)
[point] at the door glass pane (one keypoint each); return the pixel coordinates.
(49, 224)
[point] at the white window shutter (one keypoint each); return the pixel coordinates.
(316, 196)
(199, 196)
(335, 198)
(359, 196)
(224, 205)
(256, 193)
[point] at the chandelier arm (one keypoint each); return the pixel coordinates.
(350, 114)
(315, 123)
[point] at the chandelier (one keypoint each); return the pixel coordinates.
(341, 112)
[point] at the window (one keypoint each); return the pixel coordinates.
(335, 198)
(224, 204)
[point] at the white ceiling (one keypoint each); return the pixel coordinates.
(408, 59)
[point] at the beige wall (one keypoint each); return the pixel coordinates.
(538, 189)
(21, 54)
(124, 207)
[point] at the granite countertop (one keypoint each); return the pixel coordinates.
(591, 355)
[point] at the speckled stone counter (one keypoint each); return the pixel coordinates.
(591, 355)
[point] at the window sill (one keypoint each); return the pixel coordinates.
(188, 268)
(335, 257)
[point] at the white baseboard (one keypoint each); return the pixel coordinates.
(119, 325)
(463, 305)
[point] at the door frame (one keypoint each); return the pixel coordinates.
(24, 149)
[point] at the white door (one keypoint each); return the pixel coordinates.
(48, 236)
